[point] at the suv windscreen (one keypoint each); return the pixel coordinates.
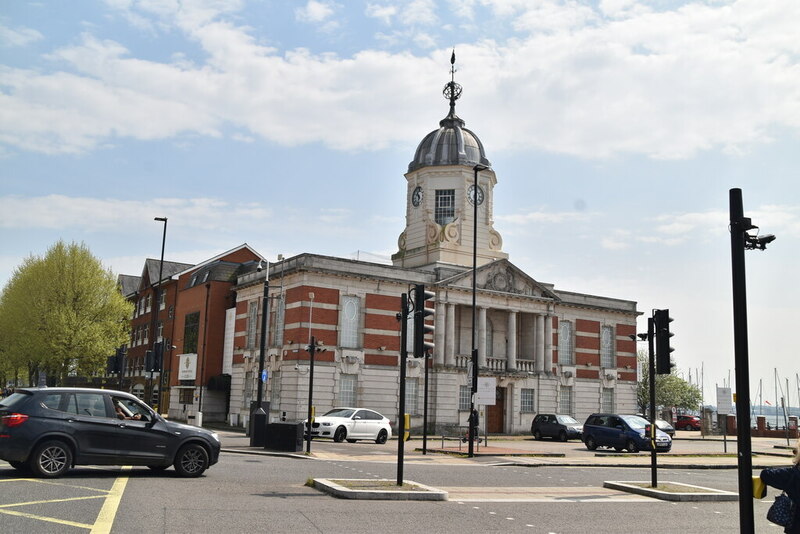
(567, 420)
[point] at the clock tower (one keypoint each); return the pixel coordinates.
(443, 197)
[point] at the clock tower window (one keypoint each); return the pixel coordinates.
(445, 211)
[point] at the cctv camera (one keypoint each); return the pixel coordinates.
(260, 267)
(296, 367)
(766, 238)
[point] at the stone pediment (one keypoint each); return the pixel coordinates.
(503, 277)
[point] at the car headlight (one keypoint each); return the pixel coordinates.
(215, 436)
(326, 424)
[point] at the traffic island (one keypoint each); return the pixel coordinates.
(673, 491)
(379, 489)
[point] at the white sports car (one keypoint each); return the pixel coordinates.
(351, 424)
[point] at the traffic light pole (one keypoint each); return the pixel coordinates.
(401, 416)
(652, 371)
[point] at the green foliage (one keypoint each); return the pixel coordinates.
(61, 313)
(671, 390)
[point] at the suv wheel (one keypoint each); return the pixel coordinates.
(51, 459)
(590, 443)
(562, 436)
(632, 447)
(191, 460)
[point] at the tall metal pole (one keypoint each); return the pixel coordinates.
(738, 227)
(425, 407)
(652, 371)
(157, 310)
(401, 416)
(312, 348)
(263, 342)
(474, 388)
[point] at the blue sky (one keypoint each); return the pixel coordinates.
(616, 129)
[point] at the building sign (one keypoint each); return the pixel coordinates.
(487, 393)
(724, 404)
(187, 366)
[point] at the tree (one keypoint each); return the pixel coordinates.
(61, 314)
(671, 390)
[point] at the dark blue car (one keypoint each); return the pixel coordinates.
(622, 432)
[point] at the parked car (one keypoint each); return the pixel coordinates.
(665, 427)
(561, 427)
(688, 422)
(351, 424)
(49, 430)
(621, 432)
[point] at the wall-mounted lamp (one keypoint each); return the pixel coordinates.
(350, 358)
(381, 348)
(289, 342)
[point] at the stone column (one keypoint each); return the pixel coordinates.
(548, 343)
(481, 337)
(450, 335)
(439, 337)
(511, 355)
(541, 344)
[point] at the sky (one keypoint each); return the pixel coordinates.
(616, 129)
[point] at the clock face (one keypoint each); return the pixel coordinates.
(475, 195)
(416, 196)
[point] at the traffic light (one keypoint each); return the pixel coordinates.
(154, 358)
(661, 320)
(420, 328)
(115, 362)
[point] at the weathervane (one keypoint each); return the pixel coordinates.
(452, 90)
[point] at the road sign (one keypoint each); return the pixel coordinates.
(264, 375)
(724, 404)
(487, 386)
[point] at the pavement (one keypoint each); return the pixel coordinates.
(689, 451)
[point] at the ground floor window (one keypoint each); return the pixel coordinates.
(138, 390)
(607, 401)
(347, 390)
(464, 395)
(412, 395)
(526, 401)
(186, 396)
(275, 391)
(565, 400)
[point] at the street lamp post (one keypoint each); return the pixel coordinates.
(156, 312)
(258, 419)
(741, 241)
(474, 388)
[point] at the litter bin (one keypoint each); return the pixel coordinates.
(258, 423)
(286, 437)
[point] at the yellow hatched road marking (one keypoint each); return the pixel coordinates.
(48, 501)
(49, 519)
(105, 519)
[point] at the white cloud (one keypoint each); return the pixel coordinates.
(315, 11)
(18, 37)
(664, 84)
(382, 12)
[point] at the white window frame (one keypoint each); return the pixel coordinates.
(607, 400)
(527, 400)
(464, 398)
(565, 396)
(348, 390)
(412, 396)
(252, 321)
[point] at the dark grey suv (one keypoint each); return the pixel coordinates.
(49, 430)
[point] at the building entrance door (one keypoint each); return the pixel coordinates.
(495, 414)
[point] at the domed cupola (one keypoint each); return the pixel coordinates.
(451, 144)
(449, 197)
